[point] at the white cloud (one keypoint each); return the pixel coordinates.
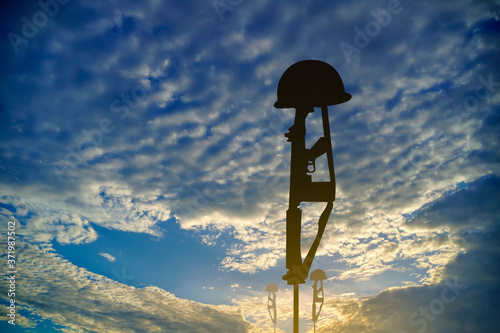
(77, 299)
(206, 145)
(108, 256)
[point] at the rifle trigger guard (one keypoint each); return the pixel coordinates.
(313, 164)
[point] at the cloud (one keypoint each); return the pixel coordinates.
(142, 116)
(108, 256)
(464, 297)
(127, 116)
(458, 301)
(479, 196)
(75, 299)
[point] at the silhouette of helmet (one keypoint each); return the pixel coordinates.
(317, 275)
(272, 287)
(310, 83)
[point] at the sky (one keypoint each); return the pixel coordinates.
(147, 172)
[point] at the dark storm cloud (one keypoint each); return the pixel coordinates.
(482, 202)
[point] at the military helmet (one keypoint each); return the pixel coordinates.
(272, 287)
(310, 83)
(317, 275)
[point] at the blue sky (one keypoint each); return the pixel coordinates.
(147, 169)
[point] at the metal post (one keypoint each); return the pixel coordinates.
(296, 308)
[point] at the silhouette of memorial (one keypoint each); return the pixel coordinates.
(318, 294)
(305, 85)
(272, 289)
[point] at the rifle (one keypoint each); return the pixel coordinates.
(303, 189)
